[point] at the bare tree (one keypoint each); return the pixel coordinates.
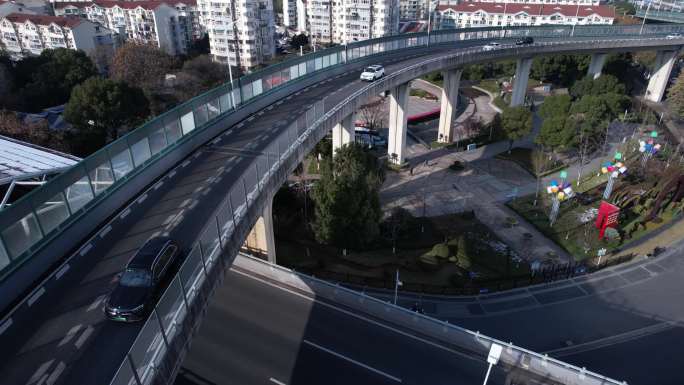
(373, 114)
(539, 163)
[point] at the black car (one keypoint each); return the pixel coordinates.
(525, 41)
(142, 281)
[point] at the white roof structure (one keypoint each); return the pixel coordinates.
(20, 160)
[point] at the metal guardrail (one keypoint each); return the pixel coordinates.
(667, 16)
(42, 215)
(474, 342)
(161, 344)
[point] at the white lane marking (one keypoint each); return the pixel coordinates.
(358, 316)
(142, 198)
(240, 124)
(39, 372)
(56, 373)
(5, 326)
(215, 141)
(251, 118)
(269, 108)
(89, 246)
(338, 355)
(79, 342)
(36, 295)
(158, 185)
(62, 271)
(105, 231)
(187, 162)
(96, 303)
(125, 213)
(70, 334)
(260, 112)
(172, 174)
(273, 380)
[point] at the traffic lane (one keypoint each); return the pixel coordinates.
(604, 314)
(652, 360)
(253, 332)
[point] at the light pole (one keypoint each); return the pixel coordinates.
(575, 21)
(645, 16)
(430, 10)
(231, 25)
(397, 283)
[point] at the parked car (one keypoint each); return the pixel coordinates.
(142, 281)
(491, 46)
(673, 36)
(525, 41)
(372, 73)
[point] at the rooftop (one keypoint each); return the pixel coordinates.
(23, 160)
(532, 9)
(44, 19)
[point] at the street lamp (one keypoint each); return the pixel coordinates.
(430, 10)
(493, 359)
(397, 283)
(645, 16)
(231, 25)
(576, 17)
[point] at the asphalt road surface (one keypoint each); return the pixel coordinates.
(273, 336)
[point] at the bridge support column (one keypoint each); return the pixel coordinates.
(522, 75)
(397, 123)
(452, 79)
(261, 240)
(596, 65)
(661, 74)
(343, 133)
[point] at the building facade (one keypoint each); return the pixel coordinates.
(413, 9)
(346, 21)
(290, 13)
(561, 2)
(471, 14)
(25, 34)
(147, 22)
(241, 32)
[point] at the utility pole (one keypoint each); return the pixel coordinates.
(397, 283)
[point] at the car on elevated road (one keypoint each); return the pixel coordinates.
(372, 73)
(140, 284)
(673, 36)
(491, 46)
(525, 41)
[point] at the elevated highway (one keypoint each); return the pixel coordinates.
(204, 173)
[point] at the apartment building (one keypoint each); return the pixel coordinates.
(241, 32)
(27, 34)
(472, 14)
(561, 2)
(346, 21)
(171, 28)
(290, 13)
(413, 9)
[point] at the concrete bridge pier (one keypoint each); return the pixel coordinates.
(522, 75)
(452, 79)
(343, 133)
(661, 74)
(261, 240)
(596, 65)
(396, 143)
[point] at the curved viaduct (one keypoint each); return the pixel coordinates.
(204, 173)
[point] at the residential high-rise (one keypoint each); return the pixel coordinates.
(23, 34)
(151, 22)
(241, 32)
(346, 21)
(290, 13)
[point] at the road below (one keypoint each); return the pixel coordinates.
(278, 337)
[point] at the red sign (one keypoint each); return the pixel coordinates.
(607, 217)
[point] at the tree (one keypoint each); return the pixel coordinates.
(300, 40)
(98, 108)
(675, 96)
(347, 205)
(373, 114)
(555, 106)
(198, 75)
(516, 123)
(602, 85)
(555, 135)
(141, 65)
(560, 69)
(199, 46)
(47, 80)
(35, 133)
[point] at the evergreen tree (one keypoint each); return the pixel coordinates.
(516, 123)
(675, 96)
(347, 205)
